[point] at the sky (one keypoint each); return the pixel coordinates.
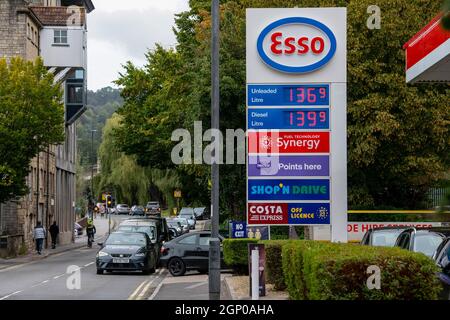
(123, 30)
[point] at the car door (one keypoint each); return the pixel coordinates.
(203, 250)
(187, 248)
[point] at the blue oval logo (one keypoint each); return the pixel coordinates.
(298, 53)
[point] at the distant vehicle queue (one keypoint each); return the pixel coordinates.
(141, 241)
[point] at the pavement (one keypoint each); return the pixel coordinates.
(101, 225)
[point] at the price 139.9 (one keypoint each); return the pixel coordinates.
(307, 119)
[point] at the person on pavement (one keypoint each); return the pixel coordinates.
(90, 230)
(39, 235)
(54, 231)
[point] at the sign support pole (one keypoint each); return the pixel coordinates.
(214, 249)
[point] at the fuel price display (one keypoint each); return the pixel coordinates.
(288, 95)
(299, 118)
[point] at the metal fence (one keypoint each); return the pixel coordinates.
(437, 195)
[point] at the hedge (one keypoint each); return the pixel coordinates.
(330, 271)
(235, 252)
(274, 264)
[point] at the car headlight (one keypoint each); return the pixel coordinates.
(102, 254)
(141, 254)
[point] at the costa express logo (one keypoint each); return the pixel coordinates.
(296, 45)
(289, 189)
(267, 213)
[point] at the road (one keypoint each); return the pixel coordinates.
(71, 275)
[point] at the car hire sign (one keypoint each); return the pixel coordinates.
(296, 118)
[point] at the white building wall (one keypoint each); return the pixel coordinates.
(72, 54)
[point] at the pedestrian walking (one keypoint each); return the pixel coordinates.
(54, 231)
(39, 235)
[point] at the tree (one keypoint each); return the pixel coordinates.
(31, 118)
(398, 142)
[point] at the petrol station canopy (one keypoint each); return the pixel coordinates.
(428, 54)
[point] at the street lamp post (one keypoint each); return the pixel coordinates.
(92, 172)
(214, 244)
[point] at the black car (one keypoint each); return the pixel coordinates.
(425, 241)
(382, 237)
(127, 251)
(187, 252)
(200, 213)
(442, 258)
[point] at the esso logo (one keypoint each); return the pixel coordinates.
(296, 45)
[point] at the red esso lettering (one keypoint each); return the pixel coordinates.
(290, 45)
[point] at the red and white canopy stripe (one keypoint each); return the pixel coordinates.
(428, 54)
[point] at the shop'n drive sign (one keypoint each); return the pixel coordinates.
(296, 118)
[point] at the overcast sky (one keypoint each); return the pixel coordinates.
(120, 30)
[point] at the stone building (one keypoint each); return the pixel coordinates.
(56, 30)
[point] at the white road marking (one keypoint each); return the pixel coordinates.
(196, 285)
(156, 291)
(87, 265)
(45, 281)
(9, 295)
(131, 297)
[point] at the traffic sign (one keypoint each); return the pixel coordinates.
(177, 193)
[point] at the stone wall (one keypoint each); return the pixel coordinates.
(13, 30)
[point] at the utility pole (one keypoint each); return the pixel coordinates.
(214, 244)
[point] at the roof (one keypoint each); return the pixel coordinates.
(428, 54)
(58, 16)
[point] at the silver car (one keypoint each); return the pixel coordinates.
(188, 213)
(122, 209)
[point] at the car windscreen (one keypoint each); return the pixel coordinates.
(130, 239)
(149, 230)
(385, 238)
(427, 243)
(187, 211)
(182, 221)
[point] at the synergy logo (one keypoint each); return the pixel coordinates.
(289, 189)
(288, 142)
(296, 45)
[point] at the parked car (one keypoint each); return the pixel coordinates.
(127, 251)
(187, 252)
(78, 230)
(173, 233)
(153, 208)
(382, 237)
(160, 226)
(137, 211)
(425, 241)
(442, 258)
(175, 225)
(184, 224)
(188, 213)
(200, 213)
(122, 209)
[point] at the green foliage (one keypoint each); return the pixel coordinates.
(31, 118)
(101, 104)
(274, 263)
(235, 252)
(330, 271)
(398, 134)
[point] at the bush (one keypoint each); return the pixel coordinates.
(331, 271)
(274, 265)
(235, 253)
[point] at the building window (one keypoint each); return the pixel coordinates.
(60, 37)
(75, 93)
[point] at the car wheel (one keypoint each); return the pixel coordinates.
(176, 267)
(99, 271)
